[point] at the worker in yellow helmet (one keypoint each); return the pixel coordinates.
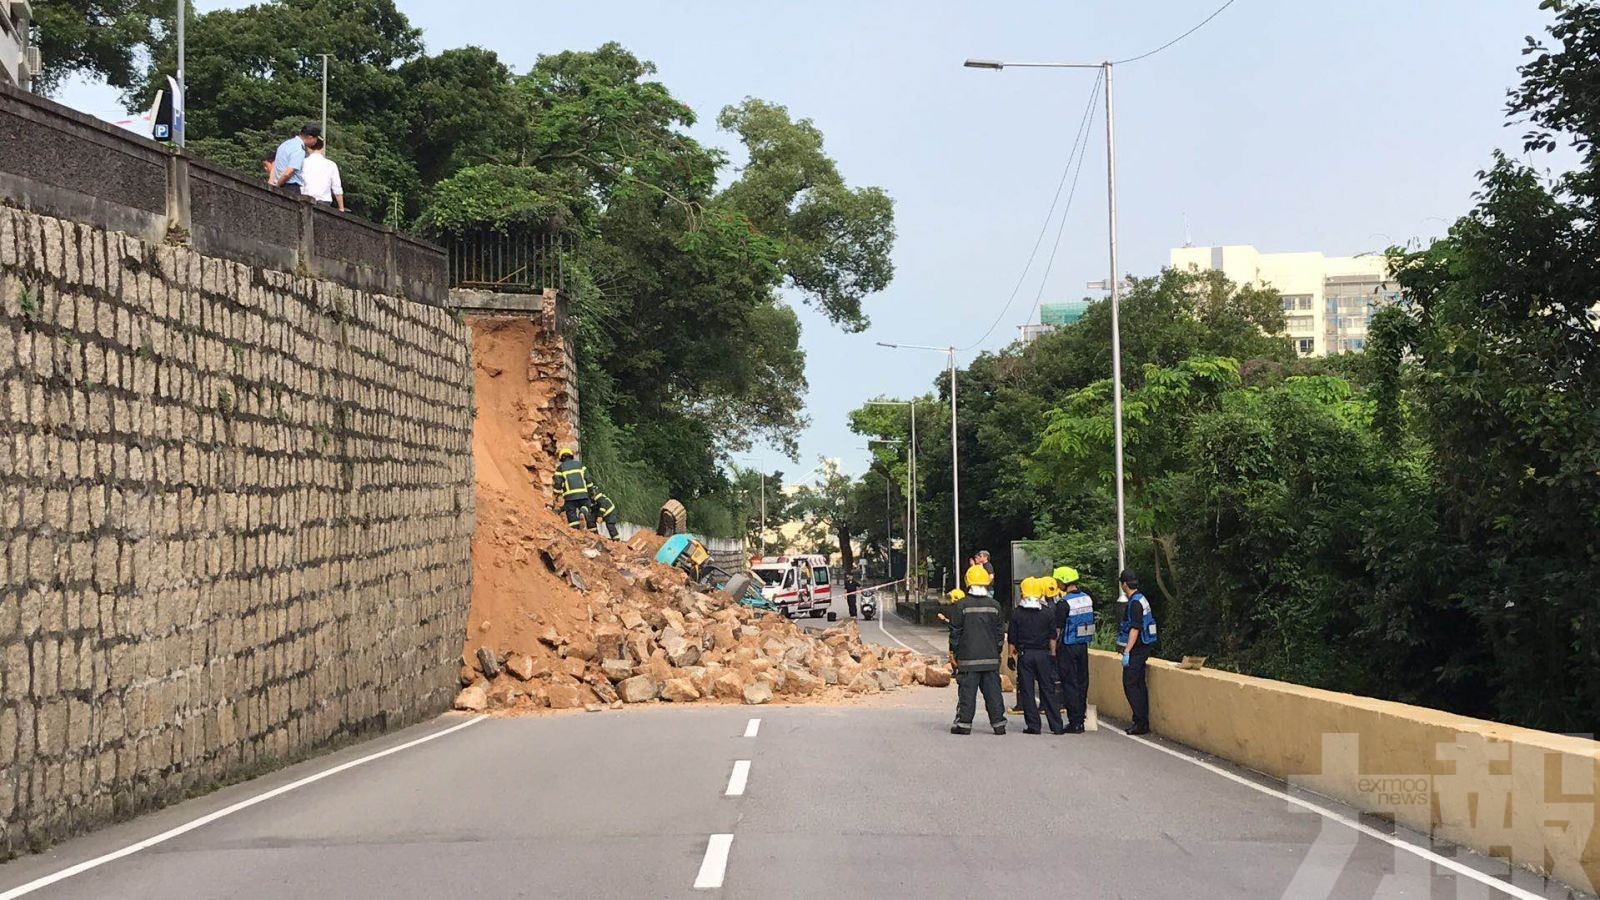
(572, 488)
(977, 637)
(1074, 626)
(1033, 636)
(1052, 602)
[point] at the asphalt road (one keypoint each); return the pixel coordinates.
(868, 800)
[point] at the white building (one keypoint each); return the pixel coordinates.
(1327, 300)
(19, 59)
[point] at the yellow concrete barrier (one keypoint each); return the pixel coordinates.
(1526, 796)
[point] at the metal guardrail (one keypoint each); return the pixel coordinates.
(520, 262)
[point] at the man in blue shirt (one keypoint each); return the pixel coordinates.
(290, 159)
(1136, 638)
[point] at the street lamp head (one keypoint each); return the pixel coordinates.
(993, 64)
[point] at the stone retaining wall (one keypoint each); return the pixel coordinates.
(236, 508)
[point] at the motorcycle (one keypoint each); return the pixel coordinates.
(867, 605)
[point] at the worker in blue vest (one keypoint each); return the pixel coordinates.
(572, 488)
(1136, 638)
(1074, 626)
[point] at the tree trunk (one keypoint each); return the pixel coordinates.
(847, 556)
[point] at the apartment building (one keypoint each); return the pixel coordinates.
(19, 59)
(1327, 300)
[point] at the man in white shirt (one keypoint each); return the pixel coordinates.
(322, 177)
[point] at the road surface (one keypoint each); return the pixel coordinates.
(874, 799)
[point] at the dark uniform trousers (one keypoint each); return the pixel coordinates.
(968, 684)
(578, 512)
(1133, 684)
(1072, 664)
(1034, 668)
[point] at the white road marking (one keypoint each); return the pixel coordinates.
(753, 727)
(715, 865)
(1459, 868)
(884, 614)
(80, 868)
(737, 780)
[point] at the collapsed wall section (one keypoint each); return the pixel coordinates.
(235, 510)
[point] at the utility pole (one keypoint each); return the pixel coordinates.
(324, 98)
(1115, 282)
(182, 100)
(1116, 325)
(913, 541)
(955, 461)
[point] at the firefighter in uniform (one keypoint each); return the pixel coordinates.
(572, 488)
(977, 637)
(1074, 625)
(1032, 634)
(1136, 636)
(604, 509)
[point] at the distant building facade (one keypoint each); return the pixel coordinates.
(1051, 317)
(19, 59)
(1328, 301)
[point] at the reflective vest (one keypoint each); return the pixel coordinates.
(572, 480)
(606, 506)
(1140, 617)
(1080, 619)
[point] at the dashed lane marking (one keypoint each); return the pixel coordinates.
(751, 729)
(738, 779)
(715, 864)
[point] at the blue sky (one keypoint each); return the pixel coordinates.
(1337, 127)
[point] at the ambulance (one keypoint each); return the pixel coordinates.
(798, 585)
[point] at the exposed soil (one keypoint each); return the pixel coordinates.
(563, 619)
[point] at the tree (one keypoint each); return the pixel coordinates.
(835, 240)
(98, 38)
(832, 505)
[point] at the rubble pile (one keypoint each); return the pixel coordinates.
(614, 628)
(563, 619)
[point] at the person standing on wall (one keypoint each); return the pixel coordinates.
(321, 177)
(1074, 628)
(1136, 636)
(1033, 637)
(290, 160)
(572, 488)
(977, 637)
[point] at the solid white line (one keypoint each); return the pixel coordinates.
(1429, 855)
(207, 819)
(737, 780)
(751, 728)
(883, 613)
(715, 864)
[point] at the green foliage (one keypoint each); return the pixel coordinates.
(100, 38)
(500, 198)
(1417, 522)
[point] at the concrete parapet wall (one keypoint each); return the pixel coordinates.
(58, 162)
(236, 507)
(1529, 797)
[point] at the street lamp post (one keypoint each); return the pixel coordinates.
(324, 97)
(888, 513)
(1115, 280)
(913, 543)
(955, 457)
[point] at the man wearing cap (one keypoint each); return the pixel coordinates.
(976, 638)
(1074, 628)
(1136, 636)
(289, 162)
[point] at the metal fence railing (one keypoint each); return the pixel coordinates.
(515, 262)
